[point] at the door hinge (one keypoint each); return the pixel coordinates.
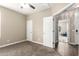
(53, 19)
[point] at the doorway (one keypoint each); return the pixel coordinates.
(63, 30)
(66, 36)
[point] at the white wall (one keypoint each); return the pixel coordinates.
(12, 26)
(38, 20)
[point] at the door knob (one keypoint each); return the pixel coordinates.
(76, 30)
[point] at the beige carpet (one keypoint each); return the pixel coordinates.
(33, 49)
(27, 49)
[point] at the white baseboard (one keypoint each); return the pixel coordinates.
(11, 43)
(35, 42)
(39, 43)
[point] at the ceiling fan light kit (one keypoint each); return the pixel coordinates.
(27, 5)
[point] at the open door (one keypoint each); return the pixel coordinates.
(48, 32)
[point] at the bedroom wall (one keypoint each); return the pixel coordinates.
(37, 19)
(12, 26)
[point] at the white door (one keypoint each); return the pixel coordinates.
(29, 30)
(48, 31)
(0, 24)
(77, 27)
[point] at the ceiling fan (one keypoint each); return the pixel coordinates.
(25, 5)
(33, 7)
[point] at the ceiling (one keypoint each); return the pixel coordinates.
(26, 10)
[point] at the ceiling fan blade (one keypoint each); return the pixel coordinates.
(32, 6)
